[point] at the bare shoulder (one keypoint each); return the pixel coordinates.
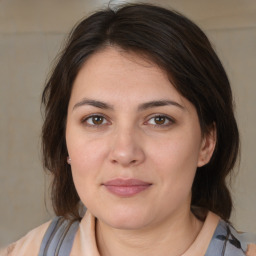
(29, 243)
(251, 250)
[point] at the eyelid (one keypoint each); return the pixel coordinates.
(171, 120)
(85, 118)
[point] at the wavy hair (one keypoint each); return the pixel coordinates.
(177, 46)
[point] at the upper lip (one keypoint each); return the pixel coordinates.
(126, 182)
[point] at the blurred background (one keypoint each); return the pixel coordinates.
(31, 34)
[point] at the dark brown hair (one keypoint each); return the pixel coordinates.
(180, 48)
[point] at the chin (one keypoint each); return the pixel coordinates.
(127, 224)
(126, 219)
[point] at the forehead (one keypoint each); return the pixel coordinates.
(112, 60)
(115, 70)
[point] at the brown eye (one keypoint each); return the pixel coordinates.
(160, 120)
(95, 120)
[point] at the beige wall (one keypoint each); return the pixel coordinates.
(30, 35)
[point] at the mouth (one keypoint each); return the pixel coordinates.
(126, 187)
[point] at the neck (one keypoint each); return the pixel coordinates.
(172, 236)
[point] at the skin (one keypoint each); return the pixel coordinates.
(127, 139)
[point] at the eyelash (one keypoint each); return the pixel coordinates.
(166, 118)
(106, 122)
(85, 120)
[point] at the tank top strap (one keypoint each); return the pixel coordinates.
(227, 241)
(59, 237)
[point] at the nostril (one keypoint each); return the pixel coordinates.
(114, 161)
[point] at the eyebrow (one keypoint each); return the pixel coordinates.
(94, 103)
(141, 107)
(159, 103)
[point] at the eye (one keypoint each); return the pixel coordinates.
(95, 120)
(160, 120)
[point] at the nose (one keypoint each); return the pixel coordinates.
(126, 148)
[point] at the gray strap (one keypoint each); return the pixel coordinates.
(59, 237)
(225, 242)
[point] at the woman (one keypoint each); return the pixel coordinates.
(139, 128)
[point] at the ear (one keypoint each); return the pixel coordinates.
(207, 147)
(68, 160)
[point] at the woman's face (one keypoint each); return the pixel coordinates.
(134, 142)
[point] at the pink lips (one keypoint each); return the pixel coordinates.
(126, 188)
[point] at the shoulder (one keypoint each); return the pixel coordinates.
(227, 241)
(59, 237)
(54, 236)
(31, 242)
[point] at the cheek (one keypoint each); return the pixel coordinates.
(85, 167)
(178, 153)
(87, 156)
(85, 150)
(176, 163)
(176, 172)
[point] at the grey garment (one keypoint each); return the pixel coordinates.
(227, 241)
(59, 237)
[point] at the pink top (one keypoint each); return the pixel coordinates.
(85, 240)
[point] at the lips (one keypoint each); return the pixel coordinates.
(126, 188)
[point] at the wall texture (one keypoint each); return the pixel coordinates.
(31, 33)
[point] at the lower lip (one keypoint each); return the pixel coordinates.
(126, 191)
